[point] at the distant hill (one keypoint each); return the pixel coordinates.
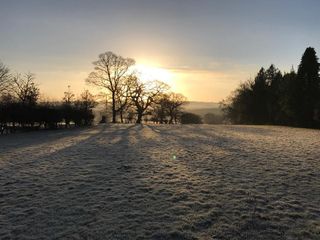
(199, 108)
(202, 108)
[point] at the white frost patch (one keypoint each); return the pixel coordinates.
(161, 182)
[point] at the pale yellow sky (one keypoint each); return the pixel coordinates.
(196, 84)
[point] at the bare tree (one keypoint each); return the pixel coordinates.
(109, 73)
(159, 111)
(84, 108)
(87, 100)
(5, 78)
(168, 108)
(123, 98)
(143, 95)
(25, 89)
(68, 101)
(68, 96)
(174, 106)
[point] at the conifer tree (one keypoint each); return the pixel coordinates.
(307, 88)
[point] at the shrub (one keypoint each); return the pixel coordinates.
(190, 118)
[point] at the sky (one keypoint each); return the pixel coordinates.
(201, 48)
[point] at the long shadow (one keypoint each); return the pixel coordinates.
(234, 176)
(104, 189)
(199, 137)
(20, 140)
(223, 151)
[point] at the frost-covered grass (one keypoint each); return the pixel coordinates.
(161, 182)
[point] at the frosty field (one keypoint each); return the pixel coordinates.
(161, 182)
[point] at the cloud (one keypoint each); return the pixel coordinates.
(223, 68)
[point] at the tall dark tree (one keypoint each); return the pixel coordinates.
(287, 98)
(260, 98)
(307, 88)
(273, 98)
(274, 94)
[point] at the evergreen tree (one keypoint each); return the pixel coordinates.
(307, 90)
(260, 98)
(287, 99)
(273, 98)
(274, 94)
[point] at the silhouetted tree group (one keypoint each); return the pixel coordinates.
(20, 107)
(168, 108)
(279, 98)
(132, 99)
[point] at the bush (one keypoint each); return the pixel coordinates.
(190, 118)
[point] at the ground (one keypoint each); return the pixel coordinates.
(161, 182)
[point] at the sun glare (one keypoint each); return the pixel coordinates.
(149, 73)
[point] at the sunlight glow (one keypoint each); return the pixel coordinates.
(147, 73)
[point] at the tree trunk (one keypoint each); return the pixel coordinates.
(171, 120)
(113, 108)
(121, 116)
(139, 119)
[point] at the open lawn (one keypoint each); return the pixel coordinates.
(161, 182)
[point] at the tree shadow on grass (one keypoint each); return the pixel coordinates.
(121, 182)
(20, 140)
(241, 181)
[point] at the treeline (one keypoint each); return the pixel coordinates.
(273, 97)
(131, 99)
(21, 108)
(128, 98)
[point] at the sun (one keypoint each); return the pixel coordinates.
(149, 73)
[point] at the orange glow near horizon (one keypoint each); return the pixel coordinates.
(149, 72)
(208, 86)
(194, 83)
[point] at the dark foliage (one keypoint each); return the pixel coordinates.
(20, 108)
(190, 118)
(15, 116)
(168, 108)
(276, 98)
